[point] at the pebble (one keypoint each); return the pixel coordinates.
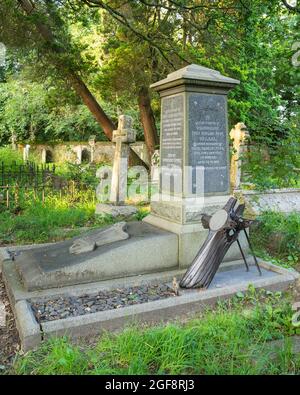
(2, 315)
(63, 307)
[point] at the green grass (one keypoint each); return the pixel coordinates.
(37, 222)
(9, 156)
(232, 339)
(29, 220)
(55, 219)
(277, 235)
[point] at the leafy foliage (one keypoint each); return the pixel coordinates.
(9, 156)
(278, 234)
(280, 159)
(35, 112)
(120, 48)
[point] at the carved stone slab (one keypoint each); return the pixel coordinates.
(90, 243)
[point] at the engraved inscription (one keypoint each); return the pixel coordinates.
(171, 141)
(208, 140)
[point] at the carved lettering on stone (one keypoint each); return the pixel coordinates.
(208, 141)
(172, 130)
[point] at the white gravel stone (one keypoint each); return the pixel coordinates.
(2, 315)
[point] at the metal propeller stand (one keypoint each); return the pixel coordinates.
(252, 252)
(241, 220)
(224, 229)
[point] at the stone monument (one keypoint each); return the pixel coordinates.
(194, 154)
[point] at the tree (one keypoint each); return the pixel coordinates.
(57, 48)
(141, 41)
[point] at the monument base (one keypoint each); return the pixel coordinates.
(186, 210)
(191, 235)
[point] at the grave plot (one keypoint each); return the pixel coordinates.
(86, 310)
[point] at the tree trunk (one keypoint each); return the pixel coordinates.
(148, 121)
(89, 100)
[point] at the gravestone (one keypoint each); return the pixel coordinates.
(26, 152)
(92, 144)
(44, 155)
(194, 154)
(155, 168)
(78, 151)
(13, 140)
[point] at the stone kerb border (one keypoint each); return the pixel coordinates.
(32, 333)
(29, 329)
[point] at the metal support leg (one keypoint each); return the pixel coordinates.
(243, 255)
(254, 256)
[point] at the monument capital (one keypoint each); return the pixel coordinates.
(195, 75)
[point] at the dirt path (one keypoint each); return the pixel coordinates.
(9, 339)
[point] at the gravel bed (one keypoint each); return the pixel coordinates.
(71, 306)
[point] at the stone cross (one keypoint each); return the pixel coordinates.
(121, 137)
(240, 136)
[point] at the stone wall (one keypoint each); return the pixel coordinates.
(282, 200)
(78, 152)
